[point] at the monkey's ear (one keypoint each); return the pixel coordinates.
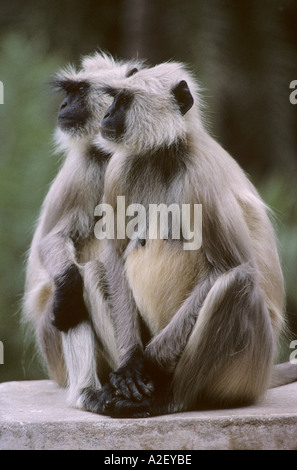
(131, 72)
(183, 96)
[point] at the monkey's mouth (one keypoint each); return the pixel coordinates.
(108, 133)
(67, 123)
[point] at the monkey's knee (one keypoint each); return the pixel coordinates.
(229, 355)
(240, 280)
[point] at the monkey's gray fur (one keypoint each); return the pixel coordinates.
(213, 315)
(64, 259)
(179, 329)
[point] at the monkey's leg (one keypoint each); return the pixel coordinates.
(92, 350)
(229, 355)
(227, 359)
(79, 347)
(96, 299)
(72, 358)
(103, 400)
(50, 343)
(77, 358)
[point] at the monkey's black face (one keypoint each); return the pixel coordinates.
(113, 124)
(73, 114)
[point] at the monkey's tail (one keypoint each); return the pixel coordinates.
(283, 374)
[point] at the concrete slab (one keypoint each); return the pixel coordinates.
(34, 415)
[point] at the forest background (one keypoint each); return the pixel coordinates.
(243, 53)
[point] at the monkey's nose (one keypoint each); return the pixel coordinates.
(64, 104)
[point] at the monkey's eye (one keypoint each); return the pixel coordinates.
(125, 99)
(80, 87)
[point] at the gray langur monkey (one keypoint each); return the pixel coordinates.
(193, 328)
(64, 294)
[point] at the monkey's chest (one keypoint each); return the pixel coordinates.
(161, 276)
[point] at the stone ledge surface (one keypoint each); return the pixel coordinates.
(34, 415)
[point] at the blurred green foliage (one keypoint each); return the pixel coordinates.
(27, 165)
(280, 193)
(243, 52)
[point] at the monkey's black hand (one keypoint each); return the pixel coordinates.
(99, 401)
(131, 393)
(125, 404)
(131, 380)
(69, 308)
(105, 402)
(122, 408)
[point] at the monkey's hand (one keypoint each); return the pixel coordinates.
(131, 381)
(105, 402)
(140, 388)
(109, 401)
(69, 308)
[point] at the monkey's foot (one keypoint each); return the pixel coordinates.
(98, 401)
(153, 406)
(131, 381)
(122, 408)
(106, 402)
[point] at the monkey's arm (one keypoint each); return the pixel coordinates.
(58, 256)
(129, 378)
(223, 249)
(57, 252)
(153, 368)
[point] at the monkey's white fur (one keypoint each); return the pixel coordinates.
(68, 210)
(238, 259)
(161, 277)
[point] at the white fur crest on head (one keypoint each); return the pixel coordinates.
(102, 60)
(164, 76)
(97, 60)
(98, 66)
